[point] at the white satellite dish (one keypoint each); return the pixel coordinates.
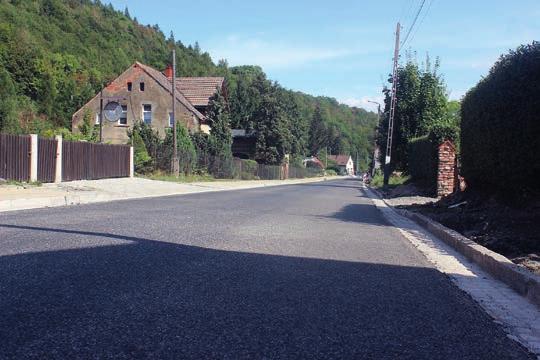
(112, 111)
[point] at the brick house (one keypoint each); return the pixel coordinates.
(145, 95)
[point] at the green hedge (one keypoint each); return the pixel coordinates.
(444, 130)
(423, 152)
(423, 161)
(500, 125)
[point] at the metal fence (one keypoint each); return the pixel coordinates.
(88, 161)
(234, 168)
(46, 169)
(15, 157)
(304, 172)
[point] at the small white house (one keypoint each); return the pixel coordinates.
(344, 162)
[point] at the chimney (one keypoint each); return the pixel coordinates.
(169, 72)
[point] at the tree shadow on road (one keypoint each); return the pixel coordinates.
(142, 298)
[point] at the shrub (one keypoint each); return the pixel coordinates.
(152, 144)
(423, 160)
(141, 159)
(331, 172)
(500, 125)
(186, 151)
(250, 166)
(444, 130)
(423, 152)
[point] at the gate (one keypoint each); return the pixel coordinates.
(15, 157)
(46, 160)
(87, 161)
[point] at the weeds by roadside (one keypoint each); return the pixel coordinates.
(21, 183)
(394, 181)
(180, 179)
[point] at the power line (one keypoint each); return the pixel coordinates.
(422, 20)
(404, 13)
(414, 22)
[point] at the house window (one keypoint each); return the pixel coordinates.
(141, 86)
(130, 86)
(123, 117)
(147, 113)
(171, 120)
(98, 118)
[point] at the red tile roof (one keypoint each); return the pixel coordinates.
(199, 90)
(341, 160)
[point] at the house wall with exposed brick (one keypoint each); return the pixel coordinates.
(154, 94)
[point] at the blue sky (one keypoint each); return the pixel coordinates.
(343, 49)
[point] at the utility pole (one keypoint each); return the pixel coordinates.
(375, 152)
(393, 102)
(175, 164)
(101, 115)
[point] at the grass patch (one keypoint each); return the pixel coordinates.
(182, 178)
(394, 181)
(21, 183)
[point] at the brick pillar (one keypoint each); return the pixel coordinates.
(446, 169)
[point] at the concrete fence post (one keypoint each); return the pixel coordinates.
(33, 157)
(131, 163)
(58, 170)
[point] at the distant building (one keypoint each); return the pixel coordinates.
(145, 95)
(344, 162)
(244, 143)
(313, 162)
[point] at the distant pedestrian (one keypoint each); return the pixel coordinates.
(366, 178)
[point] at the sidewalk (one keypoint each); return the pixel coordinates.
(91, 191)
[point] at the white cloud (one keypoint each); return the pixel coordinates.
(364, 102)
(239, 50)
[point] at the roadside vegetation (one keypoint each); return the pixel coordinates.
(500, 161)
(56, 55)
(165, 176)
(424, 117)
(395, 180)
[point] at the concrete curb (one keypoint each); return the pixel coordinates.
(520, 280)
(99, 197)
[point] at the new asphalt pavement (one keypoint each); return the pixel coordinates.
(300, 271)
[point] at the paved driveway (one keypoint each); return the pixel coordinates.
(301, 271)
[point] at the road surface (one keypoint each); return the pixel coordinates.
(301, 271)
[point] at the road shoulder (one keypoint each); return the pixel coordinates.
(13, 198)
(519, 317)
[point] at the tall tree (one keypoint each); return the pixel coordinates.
(421, 103)
(272, 127)
(318, 138)
(8, 103)
(220, 133)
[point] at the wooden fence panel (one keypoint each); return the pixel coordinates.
(15, 157)
(87, 161)
(46, 159)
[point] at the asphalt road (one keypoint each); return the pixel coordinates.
(302, 271)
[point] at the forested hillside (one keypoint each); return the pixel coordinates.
(55, 55)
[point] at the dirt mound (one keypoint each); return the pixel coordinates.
(510, 231)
